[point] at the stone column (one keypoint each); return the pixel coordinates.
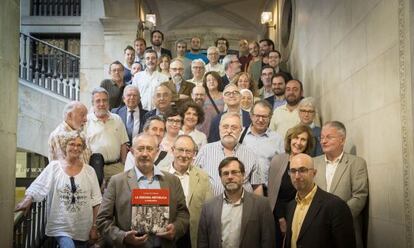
(9, 61)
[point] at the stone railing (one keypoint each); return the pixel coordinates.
(55, 7)
(49, 67)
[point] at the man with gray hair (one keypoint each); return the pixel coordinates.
(74, 119)
(342, 174)
(131, 113)
(106, 134)
(232, 66)
(212, 154)
(197, 69)
(180, 49)
(213, 57)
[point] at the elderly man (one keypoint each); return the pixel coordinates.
(131, 114)
(115, 85)
(195, 50)
(231, 67)
(129, 57)
(259, 135)
(114, 217)
(197, 69)
(213, 57)
(148, 80)
(199, 95)
(287, 116)
(316, 218)
(162, 101)
(278, 86)
(154, 126)
(157, 37)
(180, 49)
(75, 117)
(236, 218)
(211, 154)
(181, 89)
(140, 44)
(106, 134)
(232, 98)
(341, 173)
(195, 183)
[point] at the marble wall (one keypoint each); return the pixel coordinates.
(9, 62)
(350, 55)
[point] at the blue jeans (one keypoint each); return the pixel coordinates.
(67, 242)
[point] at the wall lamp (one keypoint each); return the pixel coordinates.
(267, 18)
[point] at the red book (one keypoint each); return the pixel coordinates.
(150, 210)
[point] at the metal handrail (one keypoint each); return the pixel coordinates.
(49, 67)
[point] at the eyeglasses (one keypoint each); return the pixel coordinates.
(73, 189)
(145, 148)
(176, 69)
(301, 170)
(235, 61)
(232, 127)
(232, 93)
(228, 173)
(182, 150)
(174, 121)
(264, 117)
(328, 138)
(307, 111)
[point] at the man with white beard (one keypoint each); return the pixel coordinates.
(212, 154)
(181, 89)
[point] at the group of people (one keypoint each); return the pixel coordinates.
(229, 133)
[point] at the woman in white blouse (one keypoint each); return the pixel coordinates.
(193, 115)
(73, 195)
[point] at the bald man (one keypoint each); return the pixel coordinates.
(316, 218)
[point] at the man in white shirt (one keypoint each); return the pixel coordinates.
(287, 116)
(148, 80)
(106, 134)
(213, 57)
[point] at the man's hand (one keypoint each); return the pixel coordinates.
(93, 235)
(24, 205)
(132, 239)
(282, 225)
(169, 234)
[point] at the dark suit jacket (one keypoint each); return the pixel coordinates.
(185, 89)
(214, 134)
(114, 217)
(122, 112)
(257, 224)
(224, 81)
(328, 223)
(163, 51)
(270, 100)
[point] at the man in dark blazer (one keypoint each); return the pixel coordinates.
(316, 218)
(231, 97)
(132, 100)
(235, 218)
(114, 217)
(157, 37)
(181, 89)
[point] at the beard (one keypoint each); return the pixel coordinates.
(232, 186)
(101, 112)
(292, 101)
(177, 78)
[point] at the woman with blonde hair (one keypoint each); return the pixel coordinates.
(244, 81)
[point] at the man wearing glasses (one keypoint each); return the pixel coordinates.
(315, 218)
(212, 154)
(232, 98)
(114, 217)
(342, 174)
(235, 218)
(195, 183)
(259, 135)
(181, 89)
(213, 58)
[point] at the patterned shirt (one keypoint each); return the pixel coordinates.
(212, 154)
(55, 150)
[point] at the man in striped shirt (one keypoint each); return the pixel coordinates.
(212, 154)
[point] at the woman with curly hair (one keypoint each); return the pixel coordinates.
(193, 115)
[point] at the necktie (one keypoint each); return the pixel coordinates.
(130, 124)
